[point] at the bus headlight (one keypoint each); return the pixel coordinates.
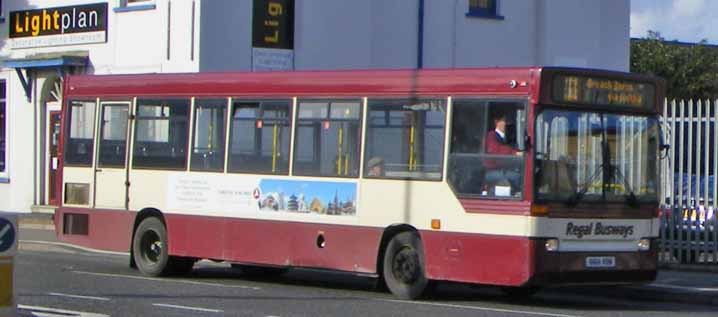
(644, 244)
(552, 245)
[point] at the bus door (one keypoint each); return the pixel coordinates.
(111, 176)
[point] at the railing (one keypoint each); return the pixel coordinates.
(688, 232)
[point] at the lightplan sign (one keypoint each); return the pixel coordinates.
(71, 25)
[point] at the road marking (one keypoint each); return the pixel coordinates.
(687, 288)
(79, 296)
(54, 312)
(167, 280)
(498, 310)
(209, 310)
(72, 246)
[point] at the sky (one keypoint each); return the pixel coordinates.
(682, 20)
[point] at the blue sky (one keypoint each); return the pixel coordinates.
(682, 20)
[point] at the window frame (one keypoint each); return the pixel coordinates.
(137, 117)
(524, 157)
(490, 12)
(2, 18)
(101, 133)
(445, 123)
(135, 5)
(4, 132)
(328, 117)
(66, 136)
(230, 118)
(193, 128)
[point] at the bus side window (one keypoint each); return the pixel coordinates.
(484, 159)
(161, 133)
(79, 147)
(327, 138)
(259, 137)
(407, 136)
(209, 132)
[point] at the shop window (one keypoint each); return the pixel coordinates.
(259, 137)
(327, 140)
(484, 9)
(210, 116)
(79, 147)
(161, 133)
(3, 133)
(405, 139)
(485, 158)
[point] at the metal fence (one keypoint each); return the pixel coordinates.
(688, 171)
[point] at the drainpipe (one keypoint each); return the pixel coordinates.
(420, 41)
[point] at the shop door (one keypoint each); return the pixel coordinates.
(54, 136)
(111, 168)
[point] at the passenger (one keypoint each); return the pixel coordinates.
(498, 170)
(376, 167)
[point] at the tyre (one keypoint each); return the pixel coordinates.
(404, 267)
(149, 248)
(258, 270)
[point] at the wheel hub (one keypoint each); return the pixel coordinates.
(405, 266)
(151, 246)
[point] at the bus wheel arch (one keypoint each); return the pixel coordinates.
(401, 262)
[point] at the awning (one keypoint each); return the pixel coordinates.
(57, 61)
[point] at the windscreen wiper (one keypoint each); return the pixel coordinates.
(631, 198)
(578, 195)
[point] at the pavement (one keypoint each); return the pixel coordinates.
(689, 284)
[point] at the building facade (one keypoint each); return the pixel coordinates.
(43, 41)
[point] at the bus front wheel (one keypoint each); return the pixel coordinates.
(404, 266)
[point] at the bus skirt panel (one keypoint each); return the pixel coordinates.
(109, 230)
(477, 258)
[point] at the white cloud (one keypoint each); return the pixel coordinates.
(688, 8)
(683, 20)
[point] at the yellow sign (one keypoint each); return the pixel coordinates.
(602, 91)
(6, 283)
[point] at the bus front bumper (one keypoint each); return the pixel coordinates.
(594, 268)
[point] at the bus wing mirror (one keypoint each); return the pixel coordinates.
(664, 150)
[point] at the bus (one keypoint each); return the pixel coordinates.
(514, 177)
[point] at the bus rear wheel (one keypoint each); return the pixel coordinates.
(150, 252)
(403, 269)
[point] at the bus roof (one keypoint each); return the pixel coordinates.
(496, 81)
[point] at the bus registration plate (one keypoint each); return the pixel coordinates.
(600, 261)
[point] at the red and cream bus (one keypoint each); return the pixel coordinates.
(516, 177)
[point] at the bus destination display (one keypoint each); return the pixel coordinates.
(602, 91)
